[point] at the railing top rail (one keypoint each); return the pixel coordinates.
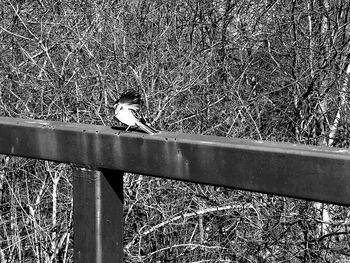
(309, 172)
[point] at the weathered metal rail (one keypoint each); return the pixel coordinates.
(105, 153)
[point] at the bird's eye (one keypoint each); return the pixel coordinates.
(121, 108)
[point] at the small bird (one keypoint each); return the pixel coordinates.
(126, 111)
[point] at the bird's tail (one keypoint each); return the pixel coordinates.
(146, 128)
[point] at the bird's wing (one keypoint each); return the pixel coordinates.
(142, 123)
(145, 127)
(136, 113)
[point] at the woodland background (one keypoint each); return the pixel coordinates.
(259, 69)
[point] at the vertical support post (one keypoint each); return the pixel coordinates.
(98, 215)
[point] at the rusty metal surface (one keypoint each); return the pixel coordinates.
(98, 220)
(308, 172)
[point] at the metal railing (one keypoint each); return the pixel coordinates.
(102, 154)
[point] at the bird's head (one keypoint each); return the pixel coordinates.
(117, 108)
(129, 100)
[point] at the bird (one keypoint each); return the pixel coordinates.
(126, 111)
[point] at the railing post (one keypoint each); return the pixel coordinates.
(98, 215)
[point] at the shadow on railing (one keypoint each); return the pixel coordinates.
(102, 154)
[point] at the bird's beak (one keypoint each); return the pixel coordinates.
(116, 110)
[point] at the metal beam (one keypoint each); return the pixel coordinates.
(98, 215)
(308, 172)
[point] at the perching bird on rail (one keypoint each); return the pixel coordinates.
(126, 111)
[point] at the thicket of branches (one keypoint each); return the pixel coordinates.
(273, 69)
